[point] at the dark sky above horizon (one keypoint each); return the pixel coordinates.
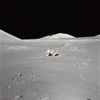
(40, 18)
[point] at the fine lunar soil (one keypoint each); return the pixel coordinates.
(26, 73)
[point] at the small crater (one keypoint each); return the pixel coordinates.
(21, 96)
(88, 99)
(22, 82)
(12, 79)
(74, 57)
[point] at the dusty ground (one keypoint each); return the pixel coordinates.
(26, 73)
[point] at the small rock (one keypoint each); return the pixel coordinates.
(15, 79)
(84, 63)
(20, 74)
(45, 98)
(17, 97)
(33, 76)
(9, 86)
(21, 96)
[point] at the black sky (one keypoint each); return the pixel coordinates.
(40, 18)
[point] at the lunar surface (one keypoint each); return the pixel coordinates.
(26, 73)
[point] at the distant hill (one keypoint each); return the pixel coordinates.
(6, 37)
(98, 36)
(59, 36)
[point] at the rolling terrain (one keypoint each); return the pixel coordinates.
(26, 73)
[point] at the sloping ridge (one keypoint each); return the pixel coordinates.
(98, 36)
(6, 37)
(59, 36)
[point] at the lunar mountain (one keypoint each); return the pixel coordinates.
(6, 37)
(59, 36)
(55, 37)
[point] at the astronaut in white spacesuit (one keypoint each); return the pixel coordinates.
(52, 52)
